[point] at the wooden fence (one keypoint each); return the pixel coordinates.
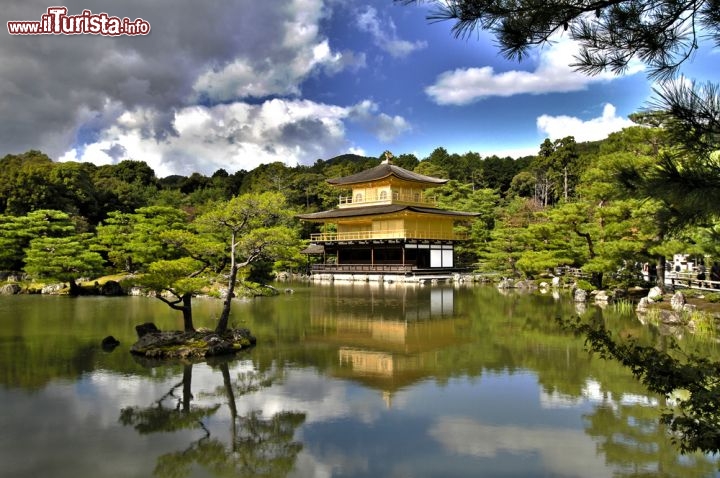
(689, 280)
(676, 280)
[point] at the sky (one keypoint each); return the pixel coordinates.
(236, 83)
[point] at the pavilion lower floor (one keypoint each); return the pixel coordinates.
(386, 256)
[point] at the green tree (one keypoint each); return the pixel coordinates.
(663, 34)
(180, 279)
(169, 197)
(77, 193)
(306, 189)
(275, 176)
(686, 176)
(132, 171)
(11, 170)
(638, 149)
(509, 238)
(125, 186)
(134, 240)
(431, 169)
(557, 169)
(406, 161)
(523, 184)
(27, 185)
(603, 229)
(644, 140)
(457, 167)
(16, 232)
(229, 236)
(32, 181)
(252, 227)
(463, 197)
(707, 239)
(497, 173)
(196, 262)
(548, 245)
(63, 258)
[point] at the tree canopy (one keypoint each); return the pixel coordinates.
(64, 259)
(686, 176)
(251, 226)
(663, 34)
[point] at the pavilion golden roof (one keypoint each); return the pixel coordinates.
(382, 171)
(382, 209)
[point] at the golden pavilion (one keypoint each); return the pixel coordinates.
(388, 224)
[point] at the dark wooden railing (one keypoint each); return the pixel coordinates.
(398, 268)
(385, 268)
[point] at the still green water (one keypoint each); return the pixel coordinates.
(346, 380)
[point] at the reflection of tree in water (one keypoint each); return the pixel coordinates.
(632, 439)
(258, 446)
(161, 418)
(630, 433)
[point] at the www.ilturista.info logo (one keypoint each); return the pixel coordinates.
(57, 22)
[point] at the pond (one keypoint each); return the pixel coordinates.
(346, 380)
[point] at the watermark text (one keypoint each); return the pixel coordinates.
(57, 22)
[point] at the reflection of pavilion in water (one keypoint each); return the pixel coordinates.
(387, 336)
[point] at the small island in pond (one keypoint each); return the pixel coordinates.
(202, 343)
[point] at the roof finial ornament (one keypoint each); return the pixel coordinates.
(388, 156)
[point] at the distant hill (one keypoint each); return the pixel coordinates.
(349, 162)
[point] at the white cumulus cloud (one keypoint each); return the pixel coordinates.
(59, 94)
(564, 452)
(552, 75)
(384, 34)
(594, 129)
(302, 51)
(237, 135)
(385, 127)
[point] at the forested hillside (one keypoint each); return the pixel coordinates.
(572, 205)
